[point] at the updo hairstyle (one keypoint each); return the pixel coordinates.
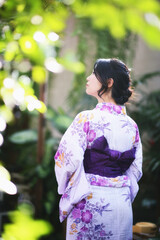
(118, 71)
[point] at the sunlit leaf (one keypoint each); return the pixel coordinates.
(24, 227)
(6, 113)
(152, 35)
(31, 49)
(28, 45)
(134, 21)
(2, 46)
(121, 16)
(23, 137)
(11, 51)
(5, 184)
(20, 7)
(54, 22)
(41, 107)
(70, 63)
(39, 74)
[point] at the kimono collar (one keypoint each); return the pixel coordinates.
(111, 108)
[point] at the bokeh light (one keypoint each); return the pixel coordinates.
(5, 184)
(18, 95)
(24, 66)
(27, 44)
(53, 36)
(68, 2)
(36, 20)
(1, 64)
(9, 82)
(1, 139)
(1, 2)
(52, 65)
(25, 79)
(2, 124)
(152, 19)
(39, 37)
(33, 103)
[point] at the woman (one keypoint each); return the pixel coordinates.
(99, 160)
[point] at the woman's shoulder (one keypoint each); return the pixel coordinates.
(132, 121)
(86, 115)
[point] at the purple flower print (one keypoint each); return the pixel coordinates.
(102, 182)
(97, 227)
(95, 183)
(109, 234)
(93, 178)
(102, 233)
(76, 213)
(84, 229)
(137, 133)
(105, 107)
(86, 216)
(78, 220)
(125, 177)
(86, 127)
(117, 108)
(91, 136)
(57, 154)
(79, 236)
(81, 204)
(137, 136)
(65, 195)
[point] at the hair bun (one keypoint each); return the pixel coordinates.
(124, 97)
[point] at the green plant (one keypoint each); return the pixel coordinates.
(23, 225)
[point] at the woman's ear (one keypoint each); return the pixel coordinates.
(110, 82)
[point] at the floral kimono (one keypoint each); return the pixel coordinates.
(97, 165)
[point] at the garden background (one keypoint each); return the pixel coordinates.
(48, 48)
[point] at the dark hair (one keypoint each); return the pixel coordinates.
(118, 71)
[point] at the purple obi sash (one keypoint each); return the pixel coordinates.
(101, 160)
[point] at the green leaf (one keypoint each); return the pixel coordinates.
(59, 120)
(39, 74)
(70, 63)
(24, 227)
(22, 137)
(62, 122)
(2, 46)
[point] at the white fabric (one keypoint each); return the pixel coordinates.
(121, 133)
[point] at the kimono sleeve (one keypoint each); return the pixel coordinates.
(135, 171)
(70, 152)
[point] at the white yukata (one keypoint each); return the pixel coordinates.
(96, 206)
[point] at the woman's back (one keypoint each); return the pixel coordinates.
(113, 122)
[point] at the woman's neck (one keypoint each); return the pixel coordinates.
(106, 98)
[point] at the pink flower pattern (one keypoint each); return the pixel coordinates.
(96, 180)
(91, 136)
(111, 108)
(86, 216)
(82, 218)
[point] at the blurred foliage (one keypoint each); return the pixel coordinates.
(24, 137)
(119, 16)
(59, 119)
(24, 227)
(147, 116)
(5, 184)
(31, 35)
(23, 151)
